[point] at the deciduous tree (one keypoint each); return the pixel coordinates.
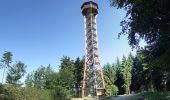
(148, 20)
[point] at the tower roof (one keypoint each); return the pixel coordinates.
(90, 5)
(89, 2)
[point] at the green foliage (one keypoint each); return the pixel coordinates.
(148, 20)
(44, 78)
(66, 79)
(78, 75)
(145, 76)
(60, 93)
(6, 60)
(66, 73)
(67, 63)
(111, 89)
(15, 73)
(110, 78)
(15, 91)
(31, 93)
(155, 95)
(29, 80)
(126, 68)
(137, 73)
(12, 92)
(119, 81)
(39, 78)
(52, 80)
(5, 94)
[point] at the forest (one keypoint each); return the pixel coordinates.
(131, 74)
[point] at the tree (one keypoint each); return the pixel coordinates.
(15, 73)
(58, 85)
(126, 69)
(148, 20)
(145, 76)
(78, 74)
(29, 80)
(52, 80)
(110, 78)
(49, 77)
(60, 93)
(67, 63)
(147, 69)
(137, 71)
(66, 73)
(39, 78)
(5, 94)
(6, 60)
(43, 78)
(67, 79)
(119, 81)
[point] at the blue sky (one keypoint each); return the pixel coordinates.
(41, 32)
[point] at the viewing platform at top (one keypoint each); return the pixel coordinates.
(89, 6)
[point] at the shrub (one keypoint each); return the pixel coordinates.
(60, 93)
(36, 94)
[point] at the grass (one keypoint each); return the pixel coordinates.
(156, 95)
(151, 96)
(106, 98)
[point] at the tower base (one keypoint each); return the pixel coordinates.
(100, 92)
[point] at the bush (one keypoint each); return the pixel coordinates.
(16, 93)
(5, 94)
(11, 92)
(111, 90)
(60, 93)
(36, 94)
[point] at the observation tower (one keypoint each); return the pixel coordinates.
(93, 81)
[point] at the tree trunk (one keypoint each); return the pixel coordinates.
(3, 75)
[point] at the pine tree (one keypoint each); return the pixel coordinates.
(66, 73)
(110, 78)
(78, 74)
(126, 69)
(39, 78)
(29, 80)
(15, 73)
(119, 81)
(6, 60)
